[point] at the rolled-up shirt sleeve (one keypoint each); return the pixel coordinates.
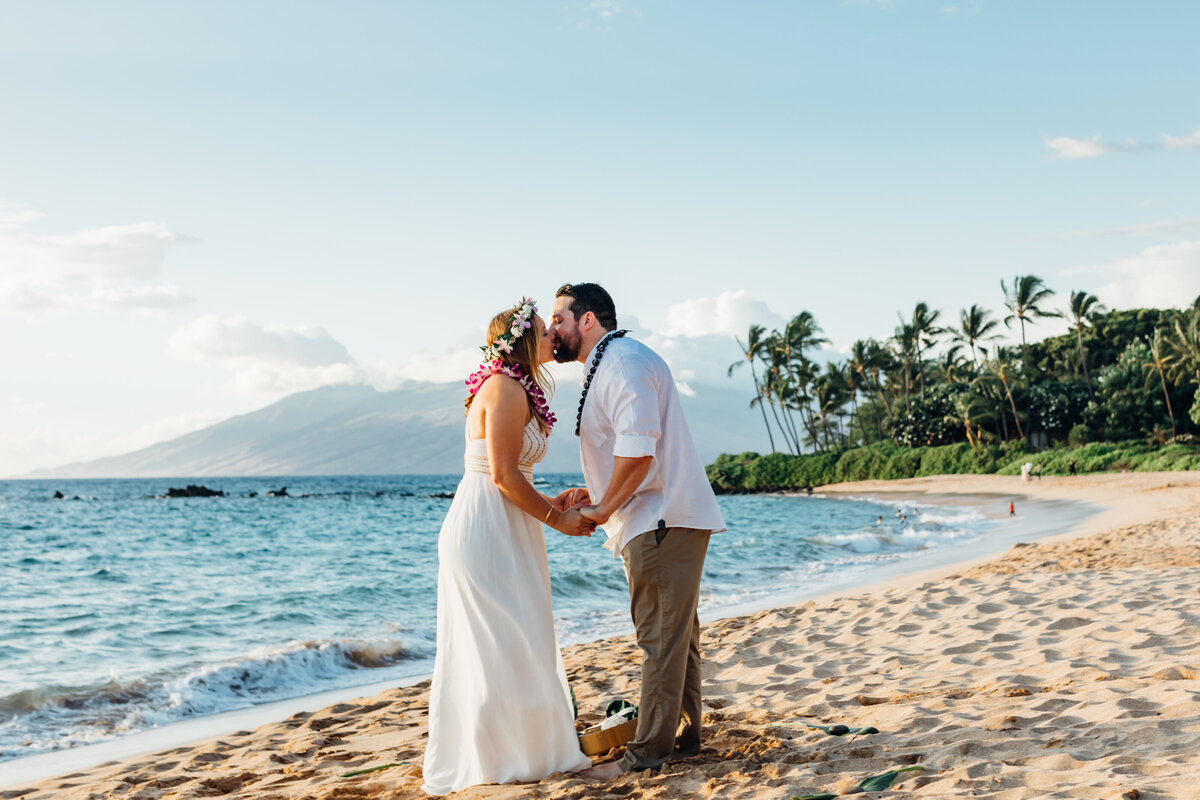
(633, 398)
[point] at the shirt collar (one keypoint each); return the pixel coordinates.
(583, 377)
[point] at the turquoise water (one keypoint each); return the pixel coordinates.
(121, 610)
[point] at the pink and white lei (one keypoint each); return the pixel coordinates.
(498, 367)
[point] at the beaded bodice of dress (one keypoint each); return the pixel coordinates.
(534, 444)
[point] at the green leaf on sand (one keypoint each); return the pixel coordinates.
(877, 783)
(370, 769)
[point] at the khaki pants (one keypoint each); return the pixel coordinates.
(664, 569)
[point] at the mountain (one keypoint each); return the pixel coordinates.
(359, 430)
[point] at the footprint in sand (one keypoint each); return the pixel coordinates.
(204, 759)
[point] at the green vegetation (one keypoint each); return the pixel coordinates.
(1117, 390)
(886, 461)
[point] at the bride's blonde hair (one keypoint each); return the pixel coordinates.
(524, 355)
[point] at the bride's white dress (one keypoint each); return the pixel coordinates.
(499, 706)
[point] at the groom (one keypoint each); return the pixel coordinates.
(650, 493)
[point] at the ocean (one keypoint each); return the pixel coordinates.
(122, 610)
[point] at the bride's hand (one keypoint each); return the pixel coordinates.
(571, 498)
(572, 523)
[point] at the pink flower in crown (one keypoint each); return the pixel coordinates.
(503, 344)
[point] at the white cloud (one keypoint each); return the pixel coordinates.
(729, 313)
(1066, 147)
(605, 9)
(270, 359)
(113, 267)
(1164, 276)
(696, 339)
(1182, 142)
(602, 14)
(15, 215)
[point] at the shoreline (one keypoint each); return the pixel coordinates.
(907, 565)
(608, 667)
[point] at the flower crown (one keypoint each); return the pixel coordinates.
(521, 322)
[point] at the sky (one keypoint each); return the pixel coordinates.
(206, 206)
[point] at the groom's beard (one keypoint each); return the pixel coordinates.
(566, 349)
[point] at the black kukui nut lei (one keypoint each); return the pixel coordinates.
(587, 384)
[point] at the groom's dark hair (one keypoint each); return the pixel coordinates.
(591, 297)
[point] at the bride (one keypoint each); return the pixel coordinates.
(499, 706)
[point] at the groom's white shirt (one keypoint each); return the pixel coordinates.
(633, 410)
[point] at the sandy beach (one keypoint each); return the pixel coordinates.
(1069, 667)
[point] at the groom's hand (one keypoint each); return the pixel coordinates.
(596, 514)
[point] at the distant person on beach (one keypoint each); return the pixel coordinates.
(1026, 472)
(879, 520)
(1037, 470)
(1012, 510)
(1071, 467)
(499, 705)
(646, 485)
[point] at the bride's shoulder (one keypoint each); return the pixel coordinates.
(500, 387)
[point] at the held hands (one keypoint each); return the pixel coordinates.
(573, 523)
(571, 520)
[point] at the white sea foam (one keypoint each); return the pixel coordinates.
(66, 716)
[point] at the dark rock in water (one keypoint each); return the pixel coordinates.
(193, 490)
(441, 495)
(59, 495)
(281, 492)
(252, 494)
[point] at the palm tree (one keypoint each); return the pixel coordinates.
(804, 375)
(1002, 367)
(1083, 308)
(905, 339)
(863, 358)
(774, 385)
(755, 348)
(951, 364)
(1184, 346)
(925, 330)
(879, 361)
(970, 409)
(830, 393)
(801, 333)
(1022, 302)
(975, 325)
(1160, 361)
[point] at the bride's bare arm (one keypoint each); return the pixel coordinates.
(505, 415)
